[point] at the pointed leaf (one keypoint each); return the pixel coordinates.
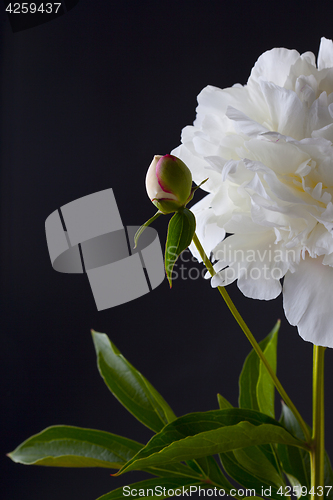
(201, 434)
(256, 390)
(180, 233)
(242, 475)
(223, 403)
(251, 468)
(294, 461)
(66, 446)
(328, 478)
(130, 387)
(174, 470)
(233, 463)
(213, 472)
(265, 385)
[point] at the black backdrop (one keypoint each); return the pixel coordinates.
(87, 100)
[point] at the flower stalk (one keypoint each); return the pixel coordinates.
(252, 340)
(318, 419)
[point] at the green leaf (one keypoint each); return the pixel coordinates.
(295, 462)
(328, 478)
(259, 471)
(251, 468)
(180, 233)
(129, 386)
(223, 403)
(213, 472)
(65, 446)
(241, 474)
(256, 389)
(174, 470)
(209, 470)
(265, 385)
(201, 434)
(152, 489)
(143, 227)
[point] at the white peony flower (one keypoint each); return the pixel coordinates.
(267, 149)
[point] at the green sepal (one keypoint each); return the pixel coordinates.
(143, 227)
(193, 190)
(180, 233)
(129, 386)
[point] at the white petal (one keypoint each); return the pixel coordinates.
(204, 145)
(319, 115)
(286, 110)
(278, 155)
(216, 163)
(257, 283)
(320, 242)
(221, 203)
(274, 65)
(325, 132)
(325, 55)
(229, 168)
(242, 223)
(225, 277)
(207, 229)
(303, 66)
(325, 81)
(307, 301)
(214, 101)
(309, 57)
(255, 260)
(326, 218)
(243, 124)
(306, 88)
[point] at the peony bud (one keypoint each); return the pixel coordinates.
(168, 183)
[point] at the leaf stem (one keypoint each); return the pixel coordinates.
(318, 419)
(252, 340)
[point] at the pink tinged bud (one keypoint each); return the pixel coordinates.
(168, 183)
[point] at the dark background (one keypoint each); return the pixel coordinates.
(86, 101)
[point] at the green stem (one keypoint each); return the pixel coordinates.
(318, 431)
(252, 340)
